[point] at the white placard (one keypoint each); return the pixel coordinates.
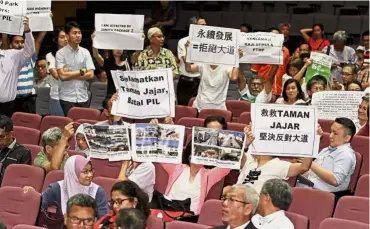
(11, 16)
(261, 48)
(337, 104)
(144, 94)
(119, 31)
(223, 148)
(285, 130)
(157, 143)
(213, 45)
(38, 13)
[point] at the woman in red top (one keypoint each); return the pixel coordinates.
(124, 194)
(317, 41)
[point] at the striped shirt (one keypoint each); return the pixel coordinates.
(11, 63)
(26, 78)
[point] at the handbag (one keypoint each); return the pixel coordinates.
(170, 209)
(51, 220)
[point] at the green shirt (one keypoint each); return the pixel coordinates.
(41, 160)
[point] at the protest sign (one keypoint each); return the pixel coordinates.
(213, 45)
(285, 130)
(11, 16)
(223, 148)
(261, 48)
(321, 65)
(119, 31)
(39, 14)
(336, 104)
(108, 142)
(157, 143)
(144, 94)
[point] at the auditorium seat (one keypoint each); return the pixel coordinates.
(324, 141)
(161, 178)
(52, 177)
(362, 188)
(184, 225)
(105, 168)
(231, 178)
(315, 204)
(26, 135)
(76, 113)
(54, 121)
(184, 111)
(75, 152)
(98, 94)
(190, 122)
(20, 175)
(237, 107)
(17, 207)
(81, 121)
(332, 223)
(154, 222)
(356, 173)
(326, 125)
(211, 213)
(245, 118)
(35, 149)
(24, 226)
(106, 184)
(354, 208)
(361, 144)
(191, 102)
(216, 112)
(26, 120)
(299, 221)
(216, 191)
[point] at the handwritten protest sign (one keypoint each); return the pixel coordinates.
(285, 130)
(223, 148)
(213, 45)
(157, 143)
(335, 104)
(261, 48)
(11, 16)
(38, 12)
(321, 65)
(108, 142)
(119, 31)
(144, 94)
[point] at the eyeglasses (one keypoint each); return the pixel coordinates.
(232, 200)
(86, 172)
(117, 201)
(86, 222)
(346, 74)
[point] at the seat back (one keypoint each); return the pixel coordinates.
(237, 107)
(26, 135)
(361, 144)
(354, 208)
(362, 188)
(161, 178)
(184, 225)
(216, 112)
(105, 168)
(106, 184)
(299, 221)
(245, 118)
(324, 141)
(20, 175)
(356, 173)
(190, 122)
(52, 177)
(54, 121)
(24, 226)
(35, 149)
(211, 213)
(98, 94)
(80, 121)
(191, 101)
(76, 113)
(153, 222)
(332, 223)
(326, 125)
(315, 204)
(17, 207)
(43, 101)
(216, 190)
(26, 120)
(184, 111)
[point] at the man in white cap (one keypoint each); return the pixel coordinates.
(155, 56)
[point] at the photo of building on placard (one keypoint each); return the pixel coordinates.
(168, 147)
(206, 151)
(144, 130)
(231, 139)
(230, 155)
(205, 136)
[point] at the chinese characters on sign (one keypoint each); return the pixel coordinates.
(214, 45)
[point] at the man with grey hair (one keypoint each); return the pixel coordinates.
(55, 144)
(80, 212)
(341, 55)
(238, 206)
(275, 198)
(188, 84)
(284, 28)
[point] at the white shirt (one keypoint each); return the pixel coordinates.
(303, 85)
(144, 177)
(240, 227)
(276, 220)
(181, 52)
(213, 87)
(275, 168)
(11, 63)
(183, 189)
(54, 84)
(74, 91)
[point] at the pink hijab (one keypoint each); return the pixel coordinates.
(70, 186)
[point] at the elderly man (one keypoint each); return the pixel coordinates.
(275, 198)
(238, 206)
(315, 84)
(80, 212)
(362, 113)
(249, 91)
(55, 144)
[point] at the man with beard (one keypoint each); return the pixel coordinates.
(249, 92)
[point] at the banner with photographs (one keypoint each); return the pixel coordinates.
(157, 143)
(108, 142)
(223, 148)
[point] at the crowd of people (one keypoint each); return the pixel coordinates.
(260, 196)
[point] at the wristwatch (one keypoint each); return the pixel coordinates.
(82, 72)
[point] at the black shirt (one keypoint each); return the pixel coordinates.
(18, 154)
(109, 64)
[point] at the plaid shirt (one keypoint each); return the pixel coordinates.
(363, 75)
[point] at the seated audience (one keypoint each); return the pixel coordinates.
(54, 154)
(315, 84)
(125, 195)
(131, 219)
(348, 74)
(11, 152)
(363, 72)
(362, 114)
(317, 42)
(238, 207)
(296, 70)
(81, 208)
(353, 86)
(78, 175)
(275, 198)
(331, 171)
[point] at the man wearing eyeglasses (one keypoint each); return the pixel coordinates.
(238, 206)
(54, 154)
(80, 212)
(42, 75)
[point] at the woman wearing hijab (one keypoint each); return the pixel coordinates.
(78, 175)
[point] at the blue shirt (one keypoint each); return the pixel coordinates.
(26, 78)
